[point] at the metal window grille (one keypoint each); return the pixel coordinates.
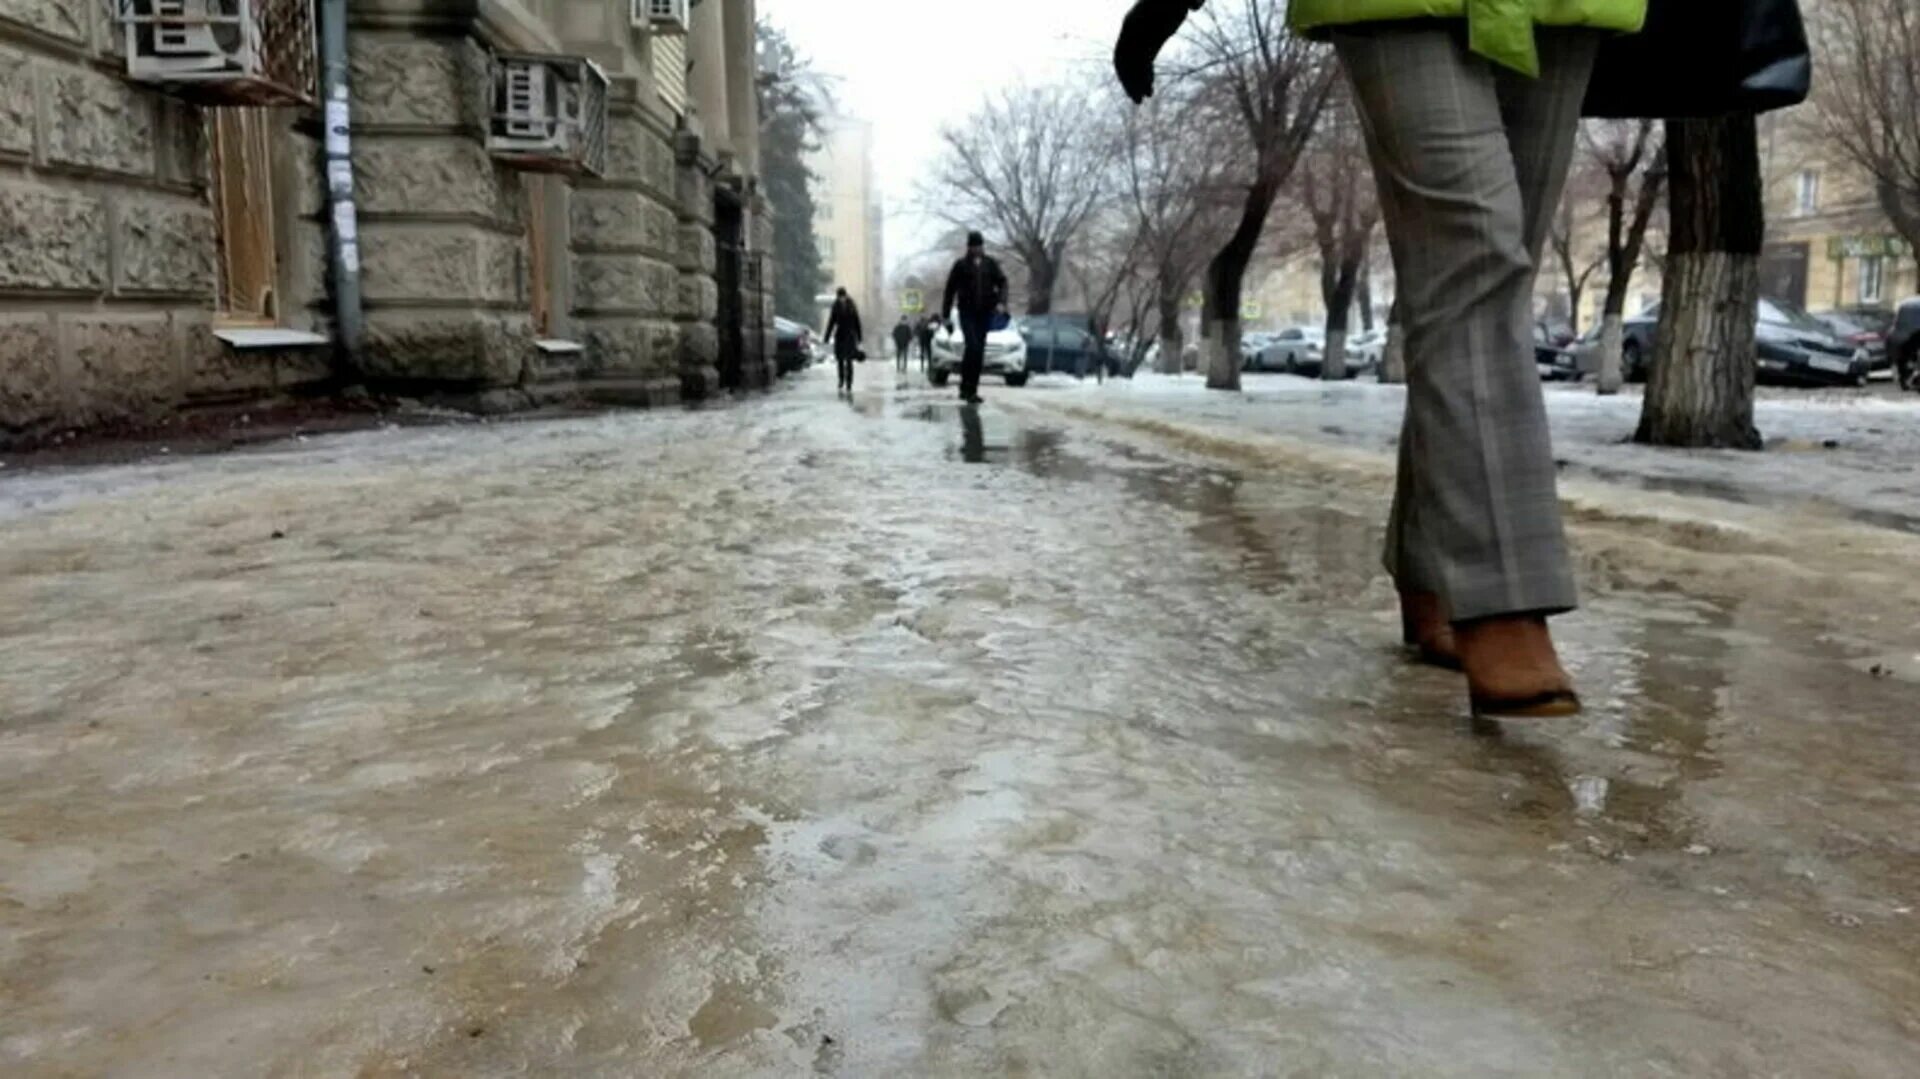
(222, 52)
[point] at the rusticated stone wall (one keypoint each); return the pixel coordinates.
(109, 258)
(443, 228)
(625, 235)
(107, 247)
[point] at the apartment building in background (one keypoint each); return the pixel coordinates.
(848, 217)
(1829, 244)
(550, 199)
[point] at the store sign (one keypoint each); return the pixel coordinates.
(912, 301)
(1867, 247)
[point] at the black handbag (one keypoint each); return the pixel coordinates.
(1700, 58)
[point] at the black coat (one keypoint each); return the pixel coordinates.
(978, 291)
(843, 329)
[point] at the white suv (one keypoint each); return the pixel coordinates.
(1006, 355)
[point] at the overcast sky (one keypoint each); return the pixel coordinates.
(909, 65)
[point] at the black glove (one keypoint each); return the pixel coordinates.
(1147, 29)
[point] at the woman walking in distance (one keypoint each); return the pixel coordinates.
(1471, 109)
(844, 334)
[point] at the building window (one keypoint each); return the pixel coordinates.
(826, 249)
(1806, 198)
(1873, 279)
(244, 215)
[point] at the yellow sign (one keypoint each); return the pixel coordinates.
(1197, 301)
(1250, 311)
(913, 301)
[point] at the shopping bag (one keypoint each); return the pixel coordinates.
(1700, 58)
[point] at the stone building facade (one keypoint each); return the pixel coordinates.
(157, 252)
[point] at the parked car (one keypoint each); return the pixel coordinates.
(1296, 350)
(1795, 349)
(1864, 327)
(1555, 358)
(1252, 344)
(1302, 350)
(1903, 344)
(1006, 355)
(1367, 349)
(1064, 345)
(792, 346)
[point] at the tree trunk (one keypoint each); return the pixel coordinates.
(1612, 339)
(1043, 274)
(1701, 390)
(1172, 342)
(1226, 275)
(1365, 296)
(1393, 360)
(1333, 365)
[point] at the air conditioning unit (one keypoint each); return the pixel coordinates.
(549, 113)
(222, 52)
(664, 16)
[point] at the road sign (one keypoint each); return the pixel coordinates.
(913, 301)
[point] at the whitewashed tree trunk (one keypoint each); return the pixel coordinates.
(1393, 361)
(1220, 355)
(1700, 392)
(1173, 345)
(1333, 364)
(1700, 389)
(1612, 341)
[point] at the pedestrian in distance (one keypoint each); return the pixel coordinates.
(1470, 110)
(977, 288)
(902, 343)
(845, 334)
(928, 327)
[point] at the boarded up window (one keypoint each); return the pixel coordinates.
(243, 214)
(670, 70)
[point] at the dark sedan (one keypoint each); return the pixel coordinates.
(1794, 349)
(1863, 327)
(1903, 343)
(1065, 345)
(792, 346)
(1553, 354)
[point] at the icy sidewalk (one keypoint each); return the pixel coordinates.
(1853, 453)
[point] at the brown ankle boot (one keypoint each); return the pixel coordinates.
(1512, 669)
(1424, 627)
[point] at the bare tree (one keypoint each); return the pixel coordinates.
(1179, 193)
(1269, 88)
(1027, 166)
(1338, 193)
(1566, 241)
(1864, 100)
(1633, 156)
(1701, 389)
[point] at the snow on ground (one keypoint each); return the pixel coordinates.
(1853, 452)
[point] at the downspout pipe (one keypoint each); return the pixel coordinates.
(343, 235)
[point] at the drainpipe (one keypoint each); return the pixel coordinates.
(343, 245)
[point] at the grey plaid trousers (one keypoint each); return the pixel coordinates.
(1471, 159)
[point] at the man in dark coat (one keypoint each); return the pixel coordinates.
(928, 327)
(902, 342)
(844, 333)
(978, 287)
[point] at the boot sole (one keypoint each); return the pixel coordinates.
(1559, 704)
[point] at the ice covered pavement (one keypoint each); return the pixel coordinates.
(883, 739)
(1853, 453)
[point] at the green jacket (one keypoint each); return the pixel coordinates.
(1500, 30)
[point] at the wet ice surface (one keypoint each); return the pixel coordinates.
(804, 737)
(1853, 453)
